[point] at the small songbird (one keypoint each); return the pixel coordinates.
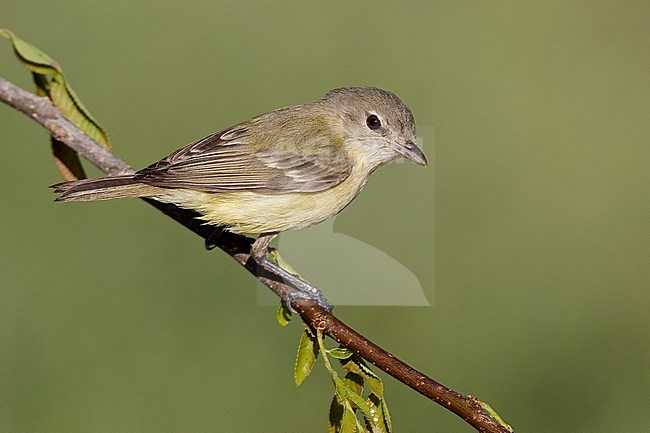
(287, 169)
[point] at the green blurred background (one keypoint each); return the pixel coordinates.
(528, 232)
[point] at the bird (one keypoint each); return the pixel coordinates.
(287, 169)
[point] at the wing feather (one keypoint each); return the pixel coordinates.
(243, 159)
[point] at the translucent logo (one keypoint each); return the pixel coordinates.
(348, 270)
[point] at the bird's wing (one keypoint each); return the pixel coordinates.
(229, 161)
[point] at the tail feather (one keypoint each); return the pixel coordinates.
(104, 188)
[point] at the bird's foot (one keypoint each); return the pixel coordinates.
(305, 290)
(260, 253)
(319, 298)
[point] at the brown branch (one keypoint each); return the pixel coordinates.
(467, 407)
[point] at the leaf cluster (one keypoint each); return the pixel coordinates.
(358, 404)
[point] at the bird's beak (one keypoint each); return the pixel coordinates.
(410, 151)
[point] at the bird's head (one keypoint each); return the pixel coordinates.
(375, 123)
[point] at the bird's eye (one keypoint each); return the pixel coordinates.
(373, 122)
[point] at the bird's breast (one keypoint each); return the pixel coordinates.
(248, 212)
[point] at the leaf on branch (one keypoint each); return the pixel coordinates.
(356, 400)
(348, 394)
(356, 365)
(340, 353)
(347, 400)
(50, 82)
(283, 316)
(494, 415)
(381, 417)
(340, 404)
(33, 58)
(306, 358)
(336, 415)
(349, 423)
(354, 382)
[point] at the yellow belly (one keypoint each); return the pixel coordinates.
(247, 212)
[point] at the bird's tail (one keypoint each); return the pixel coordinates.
(104, 188)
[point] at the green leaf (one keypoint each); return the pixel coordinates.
(341, 388)
(380, 421)
(307, 355)
(50, 82)
(376, 385)
(387, 419)
(64, 98)
(349, 422)
(340, 353)
(348, 394)
(283, 315)
(336, 414)
(348, 399)
(494, 415)
(359, 402)
(58, 89)
(354, 382)
(34, 59)
(357, 365)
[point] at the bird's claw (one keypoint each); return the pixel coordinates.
(299, 294)
(303, 290)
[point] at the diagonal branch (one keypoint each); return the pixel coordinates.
(469, 408)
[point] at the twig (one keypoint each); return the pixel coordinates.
(467, 407)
